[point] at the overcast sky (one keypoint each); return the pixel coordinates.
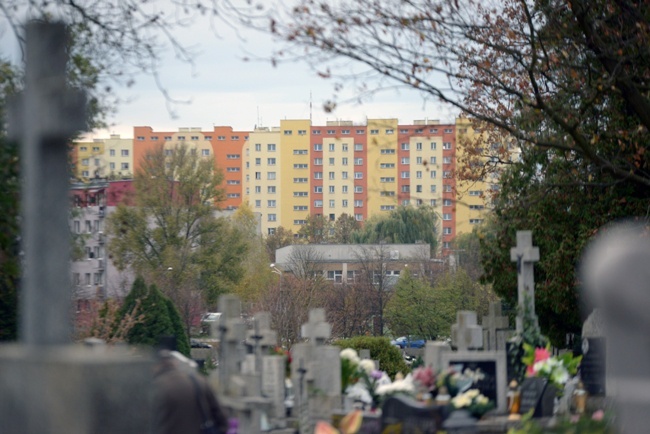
(223, 89)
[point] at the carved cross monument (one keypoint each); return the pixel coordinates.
(44, 118)
(525, 255)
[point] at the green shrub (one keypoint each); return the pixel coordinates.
(389, 356)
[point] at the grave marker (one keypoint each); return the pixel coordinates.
(49, 386)
(466, 334)
(525, 255)
(493, 323)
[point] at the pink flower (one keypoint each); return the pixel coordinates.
(598, 415)
(541, 354)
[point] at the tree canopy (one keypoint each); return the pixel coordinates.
(403, 225)
(172, 234)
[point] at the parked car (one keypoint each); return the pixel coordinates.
(207, 320)
(409, 342)
(195, 343)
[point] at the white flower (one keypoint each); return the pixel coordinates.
(473, 393)
(358, 392)
(482, 400)
(405, 385)
(350, 354)
(461, 400)
(367, 365)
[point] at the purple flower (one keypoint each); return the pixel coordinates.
(376, 374)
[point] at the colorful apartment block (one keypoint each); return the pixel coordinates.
(295, 170)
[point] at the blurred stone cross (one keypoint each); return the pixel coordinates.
(44, 118)
(525, 255)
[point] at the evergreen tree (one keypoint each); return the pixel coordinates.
(160, 318)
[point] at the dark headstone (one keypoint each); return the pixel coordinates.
(592, 367)
(488, 385)
(537, 395)
(411, 415)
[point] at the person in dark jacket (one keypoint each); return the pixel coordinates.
(184, 403)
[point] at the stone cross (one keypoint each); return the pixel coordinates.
(43, 119)
(232, 333)
(493, 322)
(317, 330)
(525, 255)
(466, 334)
(262, 336)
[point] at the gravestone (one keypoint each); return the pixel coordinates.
(273, 385)
(48, 384)
(406, 415)
(466, 334)
(433, 354)
(537, 395)
(593, 366)
(262, 338)
(492, 324)
(617, 281)
(492, 364)
(316, 329)
(232, 332)
(525, 255)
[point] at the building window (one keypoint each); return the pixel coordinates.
(258, 203)
(85, 162)
(374, 132)
(446, 160)
(387, 193)
(258, 175)
(140, 138)
(387, 151)
(433, 146)
(358, 161)
(332, 161)
(270, 189)
(403, 131)
(270, 147)
(358, 175)
(344, 147)
(406, 160)
(418, 146)
(287, 132)
(300, 208)
(446, 202)
(270, 203)
(272, 217)
(331, 131)
(331, 176)
(344, 203)
(125, 166)
(418, 174)
(387, 166)
(344, 189)
(299, 152)
(318, 189)
(205, 152)
(300, 193)
(475, 221)
(387, 179)
(433, 174)
(221, 137)
(83, 148)
(358, 203)
(111, 166)
(433, 188)
(432, 202)
(358, 217)
(318, 147)
(344, 161)
(316, 132)
(432, 160)
(111, 152)
(360, 131)
(299, 222)
(318, 175)
(300, 166)
(389, 131)
(475, 192)
(477, 207)
(271, 231)
(332, 204)
(344, 175)
(232, 182)
(358, 147)
(258, 189)
(446, 145)
(207, 138)
(181, 137)
(446, 216)
(232, 195)
(258, 147)
(418, 160)
(233, 156)
(232, 169)
(446, 174)
(332, 189)
(302, 132)
(405, 175)
(387, 207)
(270, 176)
(418, 189)
(446, 231)
(358, 189)
(318, 204)
(318, 161)
(270, 161)
(406, 188)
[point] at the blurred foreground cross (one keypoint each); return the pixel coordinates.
(44, 118)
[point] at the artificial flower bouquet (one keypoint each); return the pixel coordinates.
(473, 401)
(557, 369)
